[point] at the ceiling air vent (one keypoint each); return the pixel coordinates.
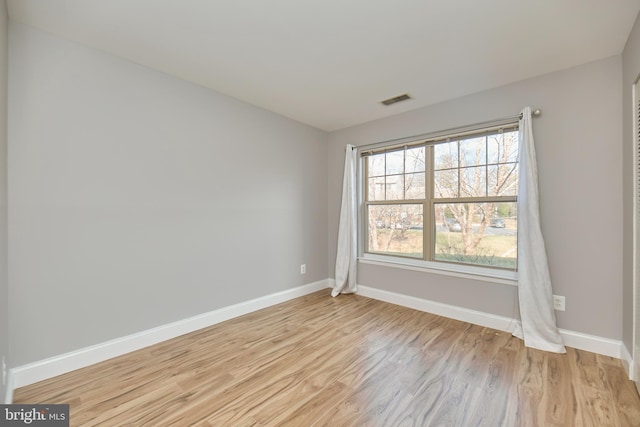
(395, 99)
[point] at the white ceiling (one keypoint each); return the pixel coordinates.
(328, 63)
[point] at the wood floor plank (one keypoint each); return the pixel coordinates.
(346, 361)
(622, 395)
(530, 386)
(559, 394)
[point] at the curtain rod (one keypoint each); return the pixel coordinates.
(506, 120)
(534, 113)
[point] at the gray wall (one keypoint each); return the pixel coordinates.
(4, 319)
(630, 73)
(137, 199)
(580, 169)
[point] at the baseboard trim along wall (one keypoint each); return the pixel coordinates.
(8, 397)
(33, 372)
(57, 365)
(627, 361)
(592, 343)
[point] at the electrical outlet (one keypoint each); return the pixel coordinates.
(558, 302)
(303, 269)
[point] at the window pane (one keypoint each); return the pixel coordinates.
(495, 150)
(414, 160)
(503, 147)
(473, 152)
(473, 182)
(376, 188)
(395, 187)
(414, 186)
(376, 165)
(395, 162)
(510, 143)
(445, 155)
(395, 230)
(503, 179)
(446, 183)
(477, 233)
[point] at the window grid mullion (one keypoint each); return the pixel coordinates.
(428, 241)
(459, 172)
(486, 165)
(404, 173)
(385, 176)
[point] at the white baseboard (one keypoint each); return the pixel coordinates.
(592, 343)
(451, 311)
(8, 397)
(627, 361)
(57, 365)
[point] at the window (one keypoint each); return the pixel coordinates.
(451, 200)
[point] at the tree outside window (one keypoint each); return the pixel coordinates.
(448, 201)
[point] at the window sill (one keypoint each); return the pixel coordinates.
(493, 275)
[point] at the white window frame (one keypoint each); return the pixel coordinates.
(475, 272)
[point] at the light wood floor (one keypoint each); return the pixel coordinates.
(346, 361)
